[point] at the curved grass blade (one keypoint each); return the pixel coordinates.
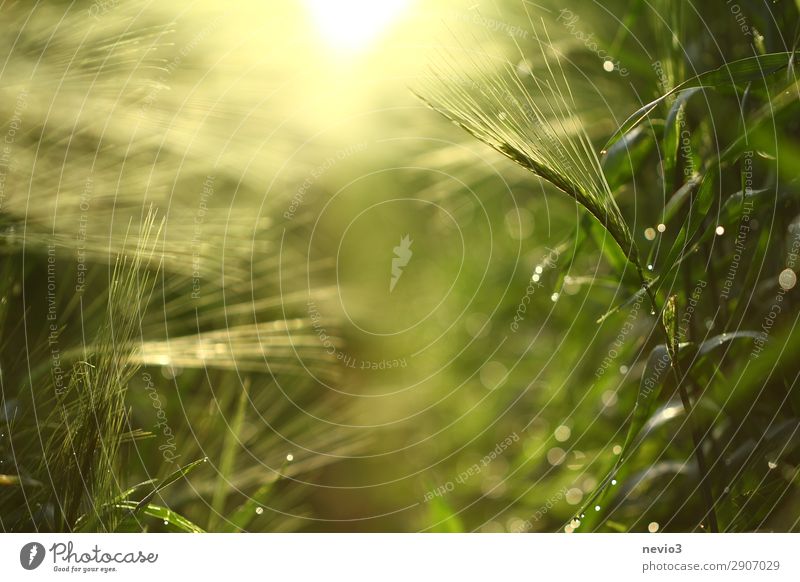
(650, 388)
(167, 516)
(656, 368)
(678, 198)
(227, 460)
(630, 300)
(84, 520)
(741, 71)
(694, 222)
(169, 480)
(672, 133)
(723, 338)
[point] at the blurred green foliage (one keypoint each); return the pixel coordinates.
(251, 198)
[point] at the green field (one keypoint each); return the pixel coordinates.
(399, 266)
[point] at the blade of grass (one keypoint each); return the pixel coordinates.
(166, 516)
(169, 480)
(227, 458)
(741, 71)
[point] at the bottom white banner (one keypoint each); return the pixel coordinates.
(355, 557)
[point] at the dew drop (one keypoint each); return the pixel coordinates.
(649, 233)
(653, 527)
(649, 267)
(661, 227)
(573, 496)
(787, 279)
(166, 522)
(609, 398)
(772, 465)
(556, 456)
(554, 297)
(720, 230)
(539, 269)
(613, 481)
(290, 457)
(597, 508)
(259, 510)
(562, 433)
(608, 66)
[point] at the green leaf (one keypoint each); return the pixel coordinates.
(169, 480)
(779, 436)
(672, 133)
(656, 369)
(625, 156)
(629, 301)
(86, 519)
(741, 71)
(698, 210)
(228, 457)
(724, 338)
(247, 511)
(128, 492)
(167, 516)
(766, 115)
(681, 195)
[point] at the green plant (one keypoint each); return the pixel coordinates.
(532, 118)
(141, 304)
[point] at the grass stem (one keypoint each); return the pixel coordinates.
(697, 439)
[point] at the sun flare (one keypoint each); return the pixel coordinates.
(352, 25)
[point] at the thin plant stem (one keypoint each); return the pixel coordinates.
(697, 439)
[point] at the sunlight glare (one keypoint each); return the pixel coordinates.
(353, 24)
